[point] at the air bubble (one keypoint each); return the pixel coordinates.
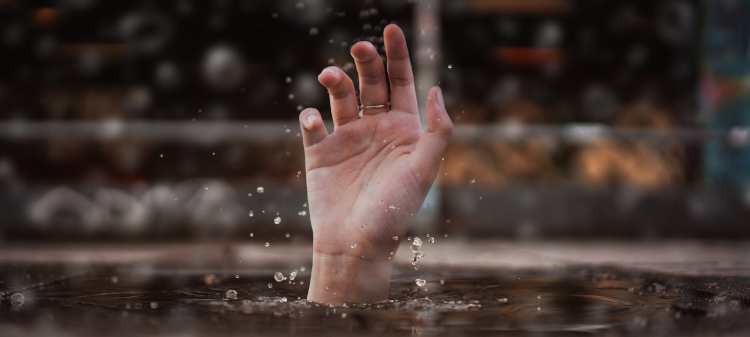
(279, 277)
(420, 282)
(277, 220)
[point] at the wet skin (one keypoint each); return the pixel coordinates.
(367, 177)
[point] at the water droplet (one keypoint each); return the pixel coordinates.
(249, 194)
(277, 220)
(279, 277)
(209, 279)
(252, 235)
(288, 80)
(161, 155)
(302, 213)
(450, 66)
(395, 238)
(154, 305)
(474, 181)
(314, 31)
(287, 235)
(269, 285)
(416, 244)
(503, 300)
(267, 244)
(353, 245)
(251, 213)
(420, 282)
(17, 300)
(260, 190)
(292, 275)
(431, 240)
(230, 294)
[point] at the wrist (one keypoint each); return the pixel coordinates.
(338, 278)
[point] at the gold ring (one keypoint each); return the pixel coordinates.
(365, 108)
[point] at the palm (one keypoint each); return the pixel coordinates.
(370, 185)
(368, 177)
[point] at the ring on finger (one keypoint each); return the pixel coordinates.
(373, 109)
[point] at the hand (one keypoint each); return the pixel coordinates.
(368, 177)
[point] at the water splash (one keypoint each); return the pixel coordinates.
(416, 251)
(231, 294)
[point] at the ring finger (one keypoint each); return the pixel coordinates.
(373, 85)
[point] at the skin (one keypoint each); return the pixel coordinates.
(368, 176)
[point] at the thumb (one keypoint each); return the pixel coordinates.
(434, 140)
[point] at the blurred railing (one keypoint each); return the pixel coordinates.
(217, 207)
(266, 132)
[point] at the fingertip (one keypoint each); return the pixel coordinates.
(435, 97)
(439, 99)
(363, 50)
(438, 119)
(310, 119)
(330, 76)
(393, 30)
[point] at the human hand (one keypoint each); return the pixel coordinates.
(372, 173)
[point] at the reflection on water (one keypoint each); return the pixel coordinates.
(149, 300)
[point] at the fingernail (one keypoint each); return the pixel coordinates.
(331, 72)
(310, 121)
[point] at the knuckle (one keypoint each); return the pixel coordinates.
(371, 79)
(402, 80)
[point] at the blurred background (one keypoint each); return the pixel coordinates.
(176, 120)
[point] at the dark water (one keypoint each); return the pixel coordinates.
(148, 300)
